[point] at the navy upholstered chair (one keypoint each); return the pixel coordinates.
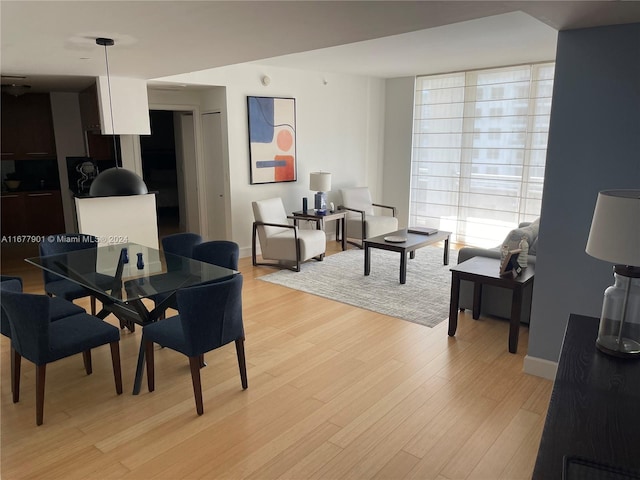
(59, 308)
(54, 285)
(181, 244)
(218, 252)
(210, 317)
(35, 337)
(12, 284)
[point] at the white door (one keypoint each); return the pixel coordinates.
(215, 176)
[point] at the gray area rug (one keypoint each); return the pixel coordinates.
(424, 299)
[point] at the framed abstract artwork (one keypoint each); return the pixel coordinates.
(272, 139)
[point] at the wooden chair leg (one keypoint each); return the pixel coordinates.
(41, 372)
(194, 363)
(241, 362)
(93, 305)
(202, 362)
(15, 378)
(117, 370)
(151, 383)
(86, 356)
(13, 370)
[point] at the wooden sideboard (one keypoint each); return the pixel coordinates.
(594, 412)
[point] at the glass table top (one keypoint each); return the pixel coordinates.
(106, 270)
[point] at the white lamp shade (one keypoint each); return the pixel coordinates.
(615, 228)
(320, 181)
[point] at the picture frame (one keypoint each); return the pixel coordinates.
(272, 139)
(509, 264)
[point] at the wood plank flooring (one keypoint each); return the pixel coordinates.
(334, 392)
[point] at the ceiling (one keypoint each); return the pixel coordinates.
(52, 43)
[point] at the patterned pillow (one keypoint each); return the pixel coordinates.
(515, 236)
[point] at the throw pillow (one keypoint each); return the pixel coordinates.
(514, 237)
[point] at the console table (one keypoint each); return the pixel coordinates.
(593, 412)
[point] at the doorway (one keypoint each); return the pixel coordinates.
(160, 172)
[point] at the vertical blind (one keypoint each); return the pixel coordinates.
(479, 150)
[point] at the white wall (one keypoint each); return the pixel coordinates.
(398, 139)
(339, 122)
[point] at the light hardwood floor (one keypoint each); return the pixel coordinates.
(334, 392)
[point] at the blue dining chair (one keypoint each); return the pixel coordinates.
(181, 244)
(210, 317)
(40, 340)
(59, 308)
(54, 285)
(218, 252)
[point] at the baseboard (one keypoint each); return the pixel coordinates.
(540, 367)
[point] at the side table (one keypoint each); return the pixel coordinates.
(339, 216)
(486, 271)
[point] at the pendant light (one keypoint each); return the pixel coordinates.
(115, 181)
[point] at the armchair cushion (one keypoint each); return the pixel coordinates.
(312, 244)
(358, 198)
(374, 225)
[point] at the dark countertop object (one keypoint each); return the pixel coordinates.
(86, 195)
(29, 190)
(593, 412)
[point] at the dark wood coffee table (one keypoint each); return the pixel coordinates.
(413, 242)
(486, 271)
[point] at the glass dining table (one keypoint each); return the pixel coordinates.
(122, 275)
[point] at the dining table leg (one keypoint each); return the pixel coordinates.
(137, 383)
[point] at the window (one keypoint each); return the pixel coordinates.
(479, 150)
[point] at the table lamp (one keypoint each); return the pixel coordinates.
(615, 237)
(321, 183)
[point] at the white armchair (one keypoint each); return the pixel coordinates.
(283, 243)
(362, 221)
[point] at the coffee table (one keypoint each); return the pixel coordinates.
(412, 243)
(486, 271)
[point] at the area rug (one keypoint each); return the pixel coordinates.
(424, 299)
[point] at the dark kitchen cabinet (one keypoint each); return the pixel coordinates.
(13, 218)
(27, 127)
(89, 110)
(99, 147)
(32, 213)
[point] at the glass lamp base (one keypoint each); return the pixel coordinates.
(626, 348)
(320, 203)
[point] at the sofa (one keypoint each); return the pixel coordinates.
(497, 301)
